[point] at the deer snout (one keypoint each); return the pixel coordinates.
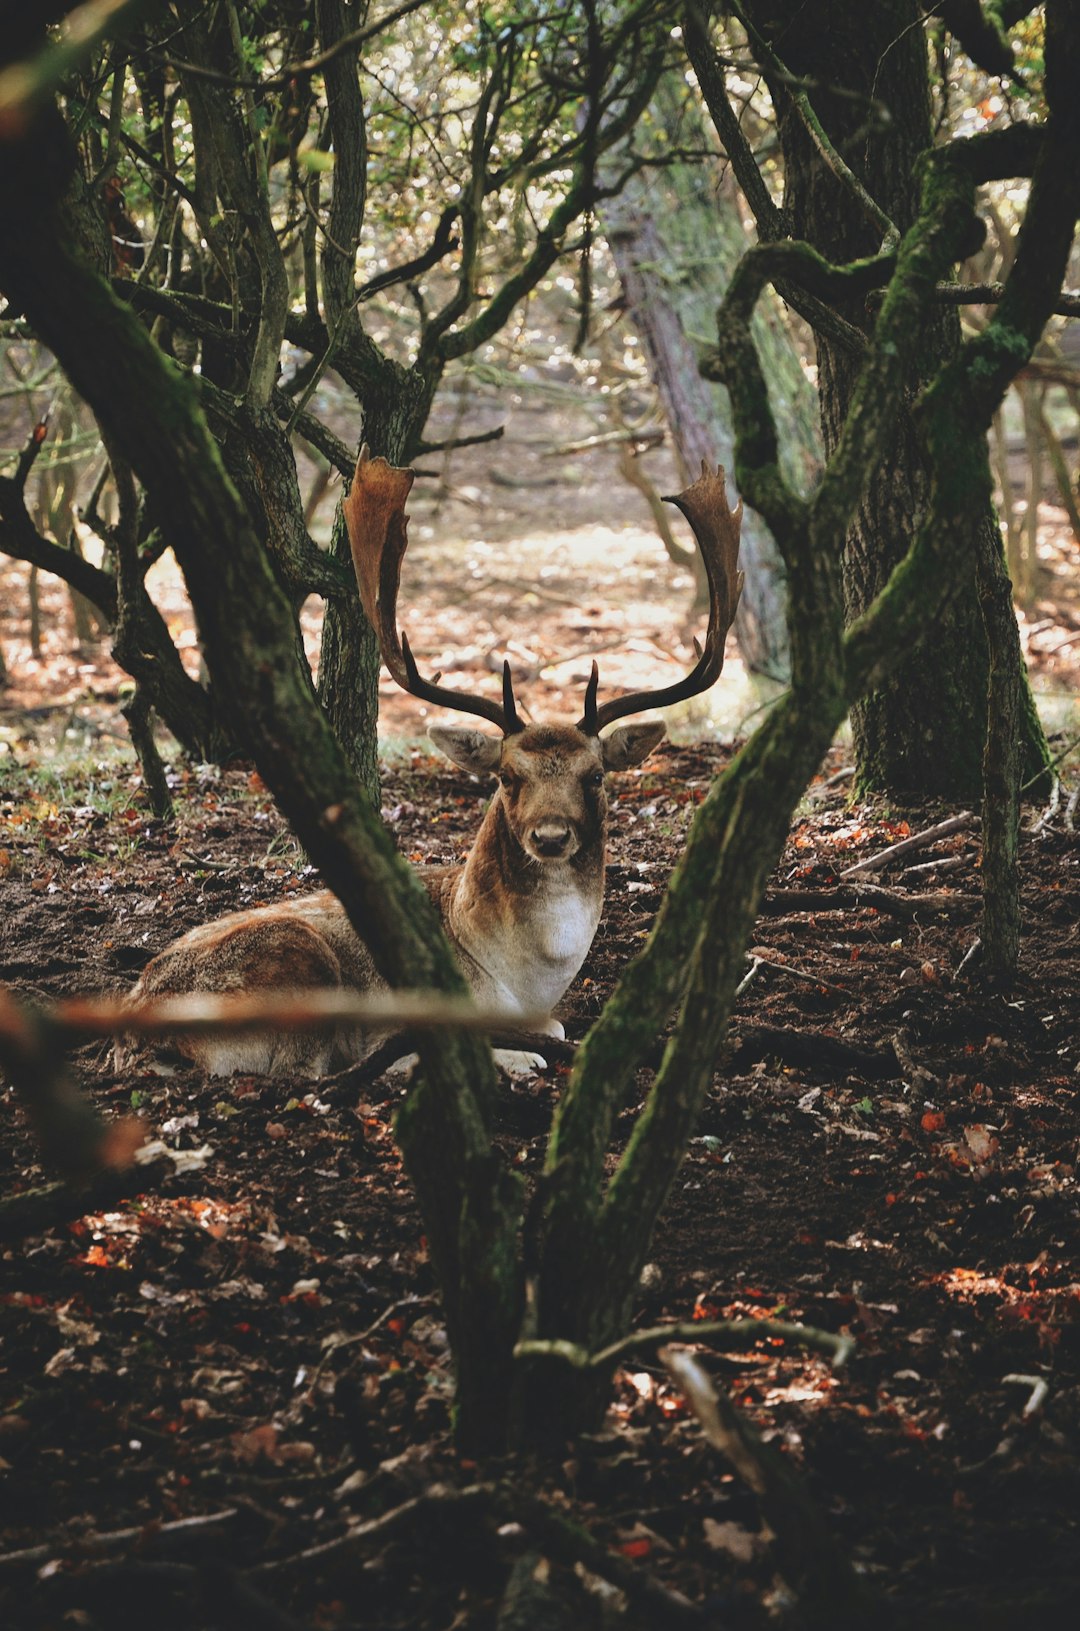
(552, 840)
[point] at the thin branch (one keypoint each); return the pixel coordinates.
(296, 70)
(729, 1336)
(203, 1014)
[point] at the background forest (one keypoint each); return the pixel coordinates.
(758, 1302)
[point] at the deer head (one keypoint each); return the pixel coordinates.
(551, 776)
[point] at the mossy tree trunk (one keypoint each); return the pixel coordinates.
(923, 730)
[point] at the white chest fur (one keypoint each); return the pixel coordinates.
(535, 954)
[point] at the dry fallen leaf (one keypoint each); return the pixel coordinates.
(731, 1538)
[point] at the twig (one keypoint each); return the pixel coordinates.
(297, 70)
(569, 1543)
(1070, 809)
(163, 1538)
(453, 442)
(440, 1497)
(799, 974)
(844, 774)
(919, 840)
(1051, 810)
(1058, 758)
(970, 957)
(917, 1074)
(335, 1344)
(726, 1335)
(34, 445)
(1039, 1390)
(948, 863)
(756, 963)
(988, 294)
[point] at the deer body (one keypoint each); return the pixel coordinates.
(520, 913)
(522, 910)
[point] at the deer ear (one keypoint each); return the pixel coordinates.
(629, 744)
(469, 749)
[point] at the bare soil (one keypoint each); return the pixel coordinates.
(171, 1356)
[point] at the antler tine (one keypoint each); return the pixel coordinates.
(510, 714)
(716, 528)
(378, 533)
(589, 723)
(444, 697)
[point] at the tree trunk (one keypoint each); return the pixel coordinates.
(923, 731)
(349, 653)
(348, 683)
(673, 278)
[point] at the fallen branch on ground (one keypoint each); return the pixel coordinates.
(164, 1538)
(918, 840)
(781, 902)
(726, 1335)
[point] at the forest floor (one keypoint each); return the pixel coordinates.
(886, 1151)
(225, 1401)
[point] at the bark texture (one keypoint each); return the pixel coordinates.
(923, 730)
(675, 235)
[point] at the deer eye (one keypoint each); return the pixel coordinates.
(506, 780)
(595, 778)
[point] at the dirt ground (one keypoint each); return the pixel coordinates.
(172, 1357)
(213, 1393)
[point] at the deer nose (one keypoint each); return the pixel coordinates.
(551, 838)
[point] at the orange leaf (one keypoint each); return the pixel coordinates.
(635, 1548)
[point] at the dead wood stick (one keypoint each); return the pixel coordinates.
(400, 1519)
(287, 1010)
(726, 1335)
(918, 840)
(844, 774)
(1048, 815)
(918, 1075)
(947, 863)
(165, 1537)
(782, 902)
(797, 973)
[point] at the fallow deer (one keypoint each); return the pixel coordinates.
(522, 910)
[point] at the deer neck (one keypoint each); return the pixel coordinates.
(528, 924)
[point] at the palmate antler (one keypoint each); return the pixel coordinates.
(378, 532)
(716, 527)
(379, 535)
